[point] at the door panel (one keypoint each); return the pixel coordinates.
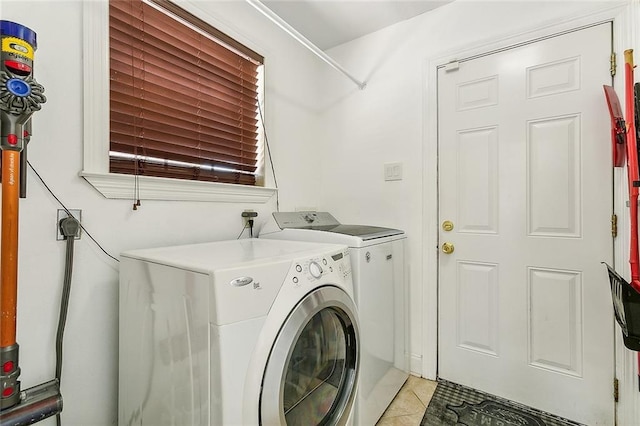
(478, 186)
(478, 303)
(555, 321)
(525, 176)
(553, 176)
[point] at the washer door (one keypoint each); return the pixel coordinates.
(312, 371)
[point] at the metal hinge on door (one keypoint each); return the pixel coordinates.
(614, 225)
(612, 60)
(616, 392)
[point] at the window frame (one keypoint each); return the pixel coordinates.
(96, 134)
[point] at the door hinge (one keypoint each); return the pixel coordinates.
(616, 392)
(614, 225)
(612, 60)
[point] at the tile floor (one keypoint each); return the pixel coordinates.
(409, 405)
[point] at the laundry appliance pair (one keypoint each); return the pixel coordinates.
(238, 333)
(377, 259)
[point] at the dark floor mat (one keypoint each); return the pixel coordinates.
(454, 404)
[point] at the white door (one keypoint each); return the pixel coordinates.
(525, 176)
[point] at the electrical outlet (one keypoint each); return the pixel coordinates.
(248, 214)
(77, 213)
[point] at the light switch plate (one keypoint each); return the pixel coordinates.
(392, 171)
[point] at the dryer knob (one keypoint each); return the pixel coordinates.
(315, 269)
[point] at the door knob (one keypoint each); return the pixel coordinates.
(447, 248)
(447, 225)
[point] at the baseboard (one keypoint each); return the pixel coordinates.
(415, 366)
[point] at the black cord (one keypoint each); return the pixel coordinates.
(68, 212)
(241, 232)
(136, 181)
(266, 142)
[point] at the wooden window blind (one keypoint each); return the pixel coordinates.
(183, 96)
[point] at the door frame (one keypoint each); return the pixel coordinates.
(625, 17)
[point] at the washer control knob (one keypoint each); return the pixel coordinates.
(315, 269)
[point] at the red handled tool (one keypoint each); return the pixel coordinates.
(618, 127)
(633, 174)
(626, 296)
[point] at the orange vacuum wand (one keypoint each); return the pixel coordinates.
(9, 245)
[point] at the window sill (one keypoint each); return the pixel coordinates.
(116, 186)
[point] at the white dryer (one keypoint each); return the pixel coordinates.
(245, 332)
(377, 259)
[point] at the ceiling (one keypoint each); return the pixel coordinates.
(328, 23)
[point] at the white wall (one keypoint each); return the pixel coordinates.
(386, 121)
(329, 141)
(89, 382)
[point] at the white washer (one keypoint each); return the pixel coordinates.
(244, 332)
(377, 259)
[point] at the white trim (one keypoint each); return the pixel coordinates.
(96, 133)
(625, 36)
(415, 365)
(430, 184)
(118, 186)
(430, 212)
(96, 86)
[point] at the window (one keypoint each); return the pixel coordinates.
(183, 96)
(172, 101)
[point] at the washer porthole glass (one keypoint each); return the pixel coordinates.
(316, 370)
(311, 375)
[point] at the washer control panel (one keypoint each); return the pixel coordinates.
(304, 219)
(315, 268)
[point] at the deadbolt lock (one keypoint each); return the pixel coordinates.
(447, 248)
(447, 225)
